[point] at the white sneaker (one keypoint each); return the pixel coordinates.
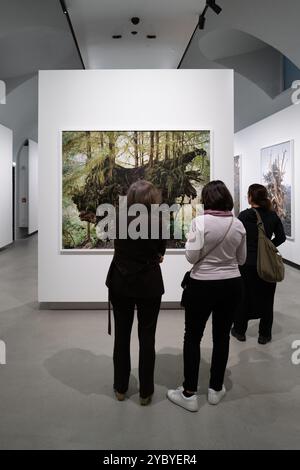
(215, 397)
(177, 397)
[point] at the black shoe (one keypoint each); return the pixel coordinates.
(239, 337)
(145, 401)
(264, 339)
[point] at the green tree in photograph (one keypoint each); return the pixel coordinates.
(98, 167)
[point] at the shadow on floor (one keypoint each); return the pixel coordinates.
(256, 372)
(169, 370)
(85, 372)
(253, 326)
(89, 374)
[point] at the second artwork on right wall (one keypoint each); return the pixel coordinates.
(277, 176)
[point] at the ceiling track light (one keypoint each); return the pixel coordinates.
(202, 20)
(212, 4)
(209, 4)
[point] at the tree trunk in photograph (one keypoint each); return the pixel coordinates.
(151, 148)
(167, 146)
(157, 145)
(182, 142)
(88, 145)
(174, 144)
(136, 149)
(89, 231)
(141, 146)
(112, 153)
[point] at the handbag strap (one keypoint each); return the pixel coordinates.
(260, 223)
(217, 244)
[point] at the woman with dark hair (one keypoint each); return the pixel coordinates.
(135, 280)
(216, 245)
(258, 295)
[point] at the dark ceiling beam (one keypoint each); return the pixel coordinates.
(188, 46)
(66, 13)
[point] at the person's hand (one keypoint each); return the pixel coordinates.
(161, 259)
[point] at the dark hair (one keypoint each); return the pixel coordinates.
(216, 196)
(258, 195)
(143, 192)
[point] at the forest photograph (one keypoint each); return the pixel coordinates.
(277, 175)
(99, 166)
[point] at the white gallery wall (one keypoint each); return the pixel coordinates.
(120, 100)
(6, 161)
(280, 127)
(33, 196)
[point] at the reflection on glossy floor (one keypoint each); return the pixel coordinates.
(55, 390)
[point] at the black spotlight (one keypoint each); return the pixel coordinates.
(202, 20)
(216, 8)
(135, 20)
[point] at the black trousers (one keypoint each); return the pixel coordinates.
(257, 302)
(203, 298)
(147, 313)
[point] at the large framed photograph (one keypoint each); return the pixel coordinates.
(277, 169)
(99, 166)
(237, 184)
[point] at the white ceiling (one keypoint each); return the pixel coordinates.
(34, 35)
(95, 21)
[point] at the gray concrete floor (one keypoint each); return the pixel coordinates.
(55, 390)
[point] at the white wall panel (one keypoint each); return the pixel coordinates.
(114, 100)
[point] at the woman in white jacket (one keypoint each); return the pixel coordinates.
(216, 246)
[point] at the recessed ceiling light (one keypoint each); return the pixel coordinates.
(117, 36)
(135, 20)
(151, 36)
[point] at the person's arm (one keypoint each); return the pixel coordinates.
(194, 244)
(241, 252)
(279, 233)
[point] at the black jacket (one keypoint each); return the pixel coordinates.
(135, 269)
(273, 227)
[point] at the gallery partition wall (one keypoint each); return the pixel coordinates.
(270, 154)
(130, 114)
